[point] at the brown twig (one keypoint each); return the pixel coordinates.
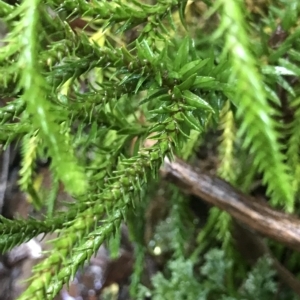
(4, 166)
(256, 215)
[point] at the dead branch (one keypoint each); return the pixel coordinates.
(256, 215)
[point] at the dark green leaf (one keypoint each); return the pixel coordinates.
(182, 54)
(196, 101)
(192, 121)
(182, 7)
(192, 67)
(187, 83)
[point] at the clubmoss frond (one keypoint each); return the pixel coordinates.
(38, 106)
(132, 13)
(228, 171)
(65, 268)
(257, 128)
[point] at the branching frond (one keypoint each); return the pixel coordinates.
(116, 198)
(65, 268)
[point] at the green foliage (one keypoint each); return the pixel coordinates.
(261, 276)
(184, 282)
(180, 285)
(107, 111)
